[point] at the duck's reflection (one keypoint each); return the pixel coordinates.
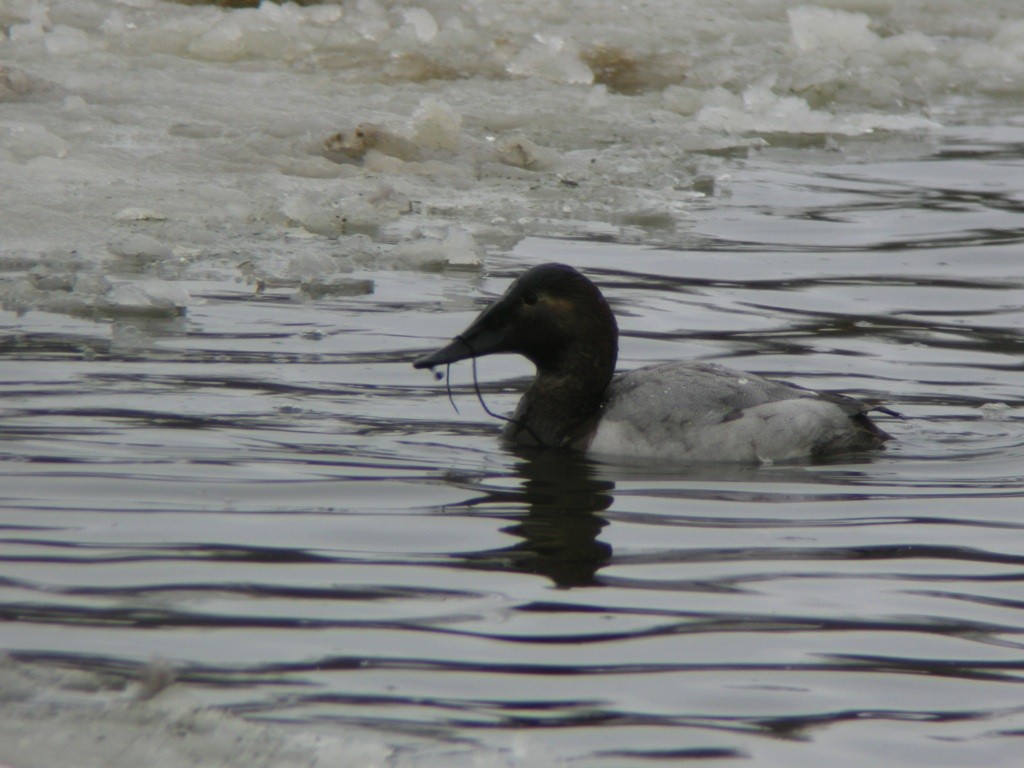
(559, 532)
(564, 494)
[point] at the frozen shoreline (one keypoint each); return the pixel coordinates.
(154, 138)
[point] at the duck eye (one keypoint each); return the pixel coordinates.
(529, 298)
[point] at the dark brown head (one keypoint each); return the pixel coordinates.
(553, 316)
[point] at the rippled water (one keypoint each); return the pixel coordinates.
(265, 495)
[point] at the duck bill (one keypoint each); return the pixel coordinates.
(473, 343)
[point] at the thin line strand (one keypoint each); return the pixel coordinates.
(489, 412)
(448, 386)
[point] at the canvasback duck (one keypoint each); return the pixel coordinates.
(683, 411)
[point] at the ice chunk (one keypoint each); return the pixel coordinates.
(310, 266)
(66, 41)
(358, 249)
(906, 47)
(27, 141)
(462, 248)
(322, 15)
(417, 254)
(14, 83)
(133, 213)
(222, 42)
(152, 298)
(91, 284)
(520, 152)
(283, 31)
(27, 31)
(354, 144)
(685, 101)
(1010, 37)
(436, 125)
(552, 58)
(370, 19)
(53, 290)
(319, 275)
(1003, 56)
(315, 215)
(761, 110)
(75, 105)
(456, 248)
(822, 29)
(142, 248)
(359, 208)
(422, 23)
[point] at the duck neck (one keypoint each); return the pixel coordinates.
(563, 400)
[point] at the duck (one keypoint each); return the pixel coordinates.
(689, 412)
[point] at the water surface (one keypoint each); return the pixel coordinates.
(267, 496)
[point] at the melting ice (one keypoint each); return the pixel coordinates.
(145, 141)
